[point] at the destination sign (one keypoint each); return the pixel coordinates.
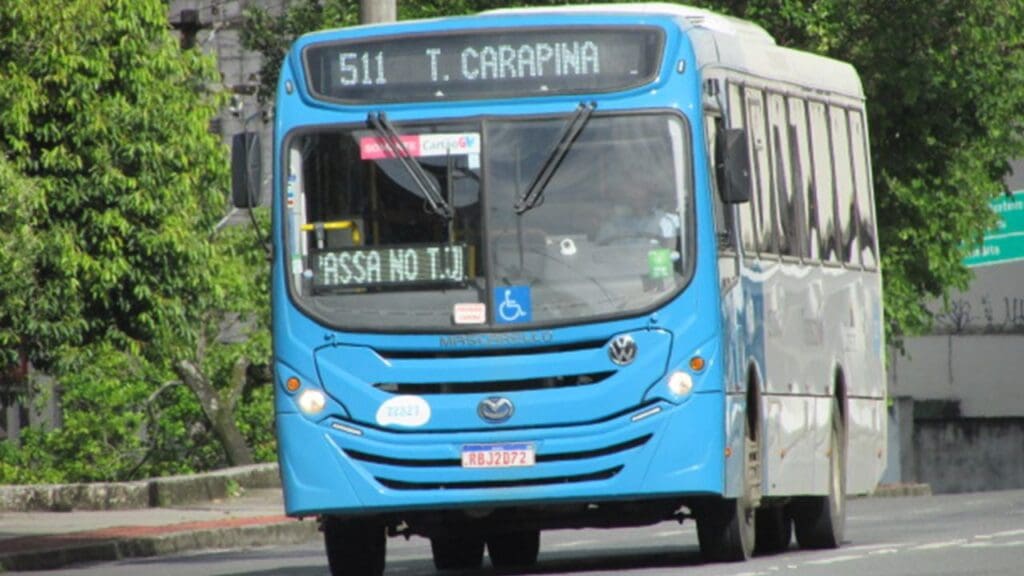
(360, 267)
(484, 64)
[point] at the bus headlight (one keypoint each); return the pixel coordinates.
(312, 401)
(680, 383)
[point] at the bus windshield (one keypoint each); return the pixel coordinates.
(368, 250)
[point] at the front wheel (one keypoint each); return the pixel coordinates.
(821, 520)
(726, 530)
(355, 547)
(727, 527)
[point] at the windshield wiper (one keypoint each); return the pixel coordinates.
(393, 142)
(535, 192)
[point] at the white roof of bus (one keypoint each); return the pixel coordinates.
(727, 42)
(696, 16)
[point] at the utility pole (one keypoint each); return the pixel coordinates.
(371, 11)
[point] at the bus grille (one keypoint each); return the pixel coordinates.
(547, 383)
(392, 479)
(477, 352)
(590, 477)
(540, 458)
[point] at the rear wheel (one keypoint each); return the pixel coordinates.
(355, 547)
(457, 551)
(821, 520)
(774, 530)
(514, 549)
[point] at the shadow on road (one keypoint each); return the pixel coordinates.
(553, 562)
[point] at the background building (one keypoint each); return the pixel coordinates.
(957, 419)
(216, 27)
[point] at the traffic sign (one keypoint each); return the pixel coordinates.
(1005, 243)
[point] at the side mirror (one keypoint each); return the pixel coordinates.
(246, 170)
(733, 163)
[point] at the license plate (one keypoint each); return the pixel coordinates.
(498, 455)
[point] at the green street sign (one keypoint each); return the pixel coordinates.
(1006, 242)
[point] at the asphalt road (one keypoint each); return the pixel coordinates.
(968, 534)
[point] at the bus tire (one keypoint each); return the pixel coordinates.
(726, 531)
(726, 527)
(821, 520)
(514, 549)
(774, 530)
(355, 547)
(459, 551)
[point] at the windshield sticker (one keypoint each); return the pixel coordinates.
(513, 304)
(567, 247)
(293, 193)
(422, 145)
(444, 144)
(373, 148)
(470, 313)
(409, 411)
(659, 263)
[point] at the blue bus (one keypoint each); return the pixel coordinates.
(572, 267)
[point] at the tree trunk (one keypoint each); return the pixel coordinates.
(219, 411)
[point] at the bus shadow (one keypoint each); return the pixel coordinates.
(626, 561)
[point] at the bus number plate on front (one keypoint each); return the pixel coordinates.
(498, 455)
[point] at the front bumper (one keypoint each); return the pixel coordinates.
(674, 450)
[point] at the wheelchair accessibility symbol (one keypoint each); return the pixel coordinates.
(512, 304)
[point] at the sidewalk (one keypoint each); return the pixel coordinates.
(57, 526)
(49, 527)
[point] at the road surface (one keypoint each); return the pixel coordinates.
(954, 535)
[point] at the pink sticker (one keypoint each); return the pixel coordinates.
(374, 148)
(470, 313)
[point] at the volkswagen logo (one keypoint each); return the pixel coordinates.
(622, 350)
(495, 409)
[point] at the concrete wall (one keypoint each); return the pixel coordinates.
(975, 355)
(982, 373)
(929, 443)
(969, 454)
(960, 391)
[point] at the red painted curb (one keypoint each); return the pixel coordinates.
(86, 537)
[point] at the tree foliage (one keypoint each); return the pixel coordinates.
(114, 275)
(105, 112)
(945, 98)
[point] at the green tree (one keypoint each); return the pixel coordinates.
(20, 212)
(110, 118)
(126, 286)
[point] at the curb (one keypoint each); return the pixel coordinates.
(900, 490)
(154, 493)
(50, 553)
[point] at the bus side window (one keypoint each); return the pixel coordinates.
(785, 196)
(762, 189)
(748, 234)
(862, 183)
(803, 185)
(824, 217)
(848, 250)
